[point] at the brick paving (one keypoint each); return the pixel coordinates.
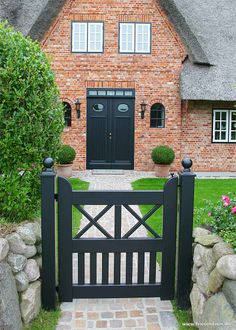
(122, 313)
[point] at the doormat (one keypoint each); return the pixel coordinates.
(107, 172)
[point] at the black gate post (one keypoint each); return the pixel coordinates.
(48, 235)
(185, 228)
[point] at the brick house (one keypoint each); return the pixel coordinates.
(175, 57)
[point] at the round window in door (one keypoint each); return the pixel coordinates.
(123, 107)
(98, 107)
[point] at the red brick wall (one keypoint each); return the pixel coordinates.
(197, 136)
(155, 77)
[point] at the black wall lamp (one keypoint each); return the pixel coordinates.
(143, 109)
(77, 107)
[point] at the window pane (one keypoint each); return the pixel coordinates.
(217, 125)
(217, 115)
(143, 38)
(223, 125)
(217, 135)
(157, 115)
(233, 115)
(223, 115)
(79, 37)
(127, 37)
(233, 136)
(67, 114)
(95, 37)
(223, 135)
(233, 126)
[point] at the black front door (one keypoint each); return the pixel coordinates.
(110, 133)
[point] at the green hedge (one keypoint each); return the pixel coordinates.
(31, 122)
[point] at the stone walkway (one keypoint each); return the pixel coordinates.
(122, 313)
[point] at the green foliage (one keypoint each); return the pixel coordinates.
(163, 155)
(66, 154)
(222, 217)
(31, 122)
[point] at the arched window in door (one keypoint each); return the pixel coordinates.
(67, 114)
(157, 115)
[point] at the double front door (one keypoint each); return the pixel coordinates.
(110, 133)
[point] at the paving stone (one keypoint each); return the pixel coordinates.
(116, 323)
(129, 323)
(107, 315)
(101, 324)
(153, 318)
(151, 310)
(79, 315)
(92, 316)
(80, 324)
(154, 327)
(136, 313)
(168, 320)
(66, 316)
(121, 315)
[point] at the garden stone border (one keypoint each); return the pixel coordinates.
(213, 296)
(20, 266)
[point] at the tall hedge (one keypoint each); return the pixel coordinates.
(31, 122)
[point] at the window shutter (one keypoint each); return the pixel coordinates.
(79, 37)
(95, 37)
(143, 42)
(126, 38)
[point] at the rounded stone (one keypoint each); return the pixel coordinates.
(39, 248)
(200, 232)
(208, 240)
(30, 251)
(202, 278)
(16, 244)
(27, 234)
(4, 248)
(31, 302)
(226, 266)
(16, 261)
(197, 302)
(32, 270)
(221, 249)
(199, 252)
(22, 281)
(215, 281)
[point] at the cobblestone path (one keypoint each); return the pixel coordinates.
(118, 313)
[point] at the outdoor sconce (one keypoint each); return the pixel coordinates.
(77, 107)
(143, 109)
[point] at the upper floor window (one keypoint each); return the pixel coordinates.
(135, 38)
(67, 114)
(87, 37)
(224, 125)
(157, 115)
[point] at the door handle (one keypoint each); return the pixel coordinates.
(110, 135)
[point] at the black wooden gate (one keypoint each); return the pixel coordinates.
(116, 244)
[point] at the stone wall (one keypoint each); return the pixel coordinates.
(213, 296)
(20, 287)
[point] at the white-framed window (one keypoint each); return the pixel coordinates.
(87, 37)
(224, 125)
(135, 38)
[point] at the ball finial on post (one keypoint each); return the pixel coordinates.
(48, 163)
(187, 164)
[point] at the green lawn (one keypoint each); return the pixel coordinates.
(211, 189)
(76, 215)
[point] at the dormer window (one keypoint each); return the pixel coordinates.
(87, 37)
(135, 38)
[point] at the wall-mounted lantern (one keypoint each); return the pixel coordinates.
(143, 109)
(77, 107)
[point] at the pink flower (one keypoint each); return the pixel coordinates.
(233, 210)
(226, 200)
(209, 214)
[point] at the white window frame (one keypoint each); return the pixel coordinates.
(87, 48)
(135, 38)
(228, 129)
(230, 125)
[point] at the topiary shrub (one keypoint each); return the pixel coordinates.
(66, 155)
(163, 155)
(31, 122)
